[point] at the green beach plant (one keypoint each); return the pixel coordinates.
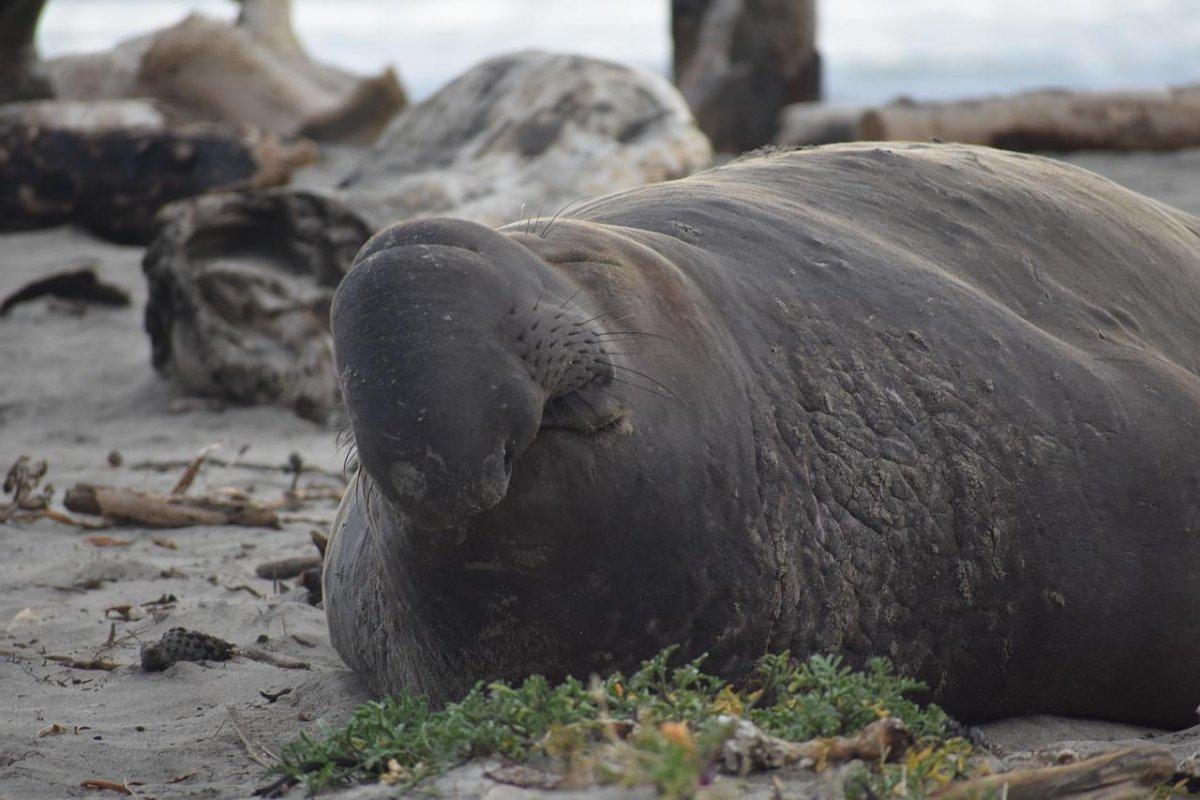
(662, 725)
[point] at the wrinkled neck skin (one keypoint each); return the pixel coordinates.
(539, 496)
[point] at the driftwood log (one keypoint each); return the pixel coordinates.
(254, 71)
(1051, 120)
(22, 76)
(113, 181)
(1127, 774)
(739, 62)
(240, 286)
(153, 510)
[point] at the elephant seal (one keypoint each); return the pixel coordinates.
(937, 403)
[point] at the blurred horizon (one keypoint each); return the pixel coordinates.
(873, 50)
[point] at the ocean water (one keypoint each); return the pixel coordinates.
(874, 49)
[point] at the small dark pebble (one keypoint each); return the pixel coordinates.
(180, 644)
(115, 459)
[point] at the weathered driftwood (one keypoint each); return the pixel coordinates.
(253, 71)
(819, 123)
(22, 76)
(240, 286)
(739, 62)
(1128, 774)
(113, 181)
(1048, 120)
(750, 749)
(154, 510)
(523, 134)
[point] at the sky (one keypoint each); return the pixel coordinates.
(873, 49)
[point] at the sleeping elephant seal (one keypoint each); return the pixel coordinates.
(936, 403)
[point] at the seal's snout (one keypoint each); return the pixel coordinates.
(449, 345)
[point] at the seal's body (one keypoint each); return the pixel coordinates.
(930, 402)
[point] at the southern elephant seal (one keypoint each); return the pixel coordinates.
(932, 402)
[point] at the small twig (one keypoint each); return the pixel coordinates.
(193, 469)
(243, 587)
(256, 751)
(63, 518)
(66, 661)
(112, 786)
(170, 464)
(271, 697)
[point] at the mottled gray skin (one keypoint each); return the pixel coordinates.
(930, 402)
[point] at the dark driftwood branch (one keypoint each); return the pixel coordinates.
(79, 284)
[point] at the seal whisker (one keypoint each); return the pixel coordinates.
(572, 297)
(566, 399)
(545, 231)
(611, 334)
(595, 414)
(656, 382)
(654, 392)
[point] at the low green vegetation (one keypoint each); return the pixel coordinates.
(663, 725)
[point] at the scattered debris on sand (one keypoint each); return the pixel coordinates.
(80, 285)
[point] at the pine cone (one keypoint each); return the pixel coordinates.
(180, 644)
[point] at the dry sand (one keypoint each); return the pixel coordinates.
(74, 388)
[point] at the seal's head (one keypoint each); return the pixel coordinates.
(455, 345)
(549, 423)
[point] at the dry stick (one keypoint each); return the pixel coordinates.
(112, 786)
(164, 466)
(256, 654)
(67, 661)
(57, 516)
(255, 750)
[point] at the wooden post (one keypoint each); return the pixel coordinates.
(739, 62)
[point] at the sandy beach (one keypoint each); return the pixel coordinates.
(77, 385)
